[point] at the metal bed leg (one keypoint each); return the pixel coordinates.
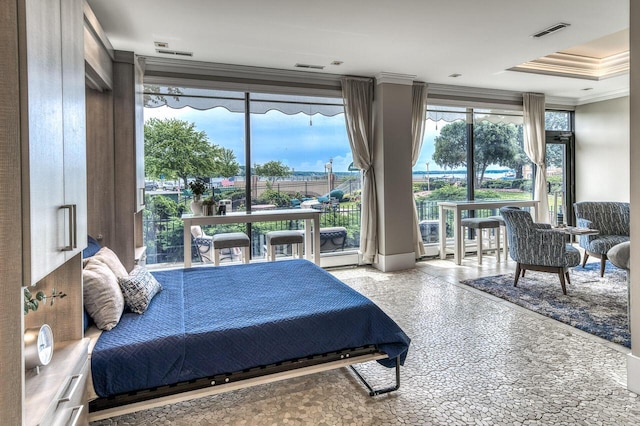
(374, 392)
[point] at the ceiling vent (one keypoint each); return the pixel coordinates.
(173, 52)
(552, 29)
(308, 66)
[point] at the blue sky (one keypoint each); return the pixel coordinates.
(288, 138)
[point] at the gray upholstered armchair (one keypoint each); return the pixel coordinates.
(537, 247)
(611, 219)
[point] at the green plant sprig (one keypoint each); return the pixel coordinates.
(32, 303)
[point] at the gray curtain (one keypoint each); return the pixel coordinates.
(357, 94)
(536, 149)
(418, 111)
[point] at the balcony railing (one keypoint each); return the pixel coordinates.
(165, 242)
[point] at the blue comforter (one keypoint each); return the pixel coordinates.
(216, 320)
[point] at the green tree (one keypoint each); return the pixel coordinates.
(556, 121)
(520, 159)
(272, 170)
(494, 144)
(271, 196)
(226, 163)
(555, 155)
(175, 149)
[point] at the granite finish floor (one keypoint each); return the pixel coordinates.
(474, 360)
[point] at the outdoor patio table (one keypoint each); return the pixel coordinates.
(457, 207)
(311, 219)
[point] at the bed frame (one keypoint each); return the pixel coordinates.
(103, 408)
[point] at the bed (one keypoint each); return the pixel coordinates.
(216, 328)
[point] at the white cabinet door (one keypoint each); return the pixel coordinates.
(44, 131)
(74, 123)
(55, 168)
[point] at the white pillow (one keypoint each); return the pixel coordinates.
(103, 299)
(139, 288)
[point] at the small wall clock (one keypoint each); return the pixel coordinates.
(38, 346)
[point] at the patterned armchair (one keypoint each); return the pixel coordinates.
(611, 218)
(537, 247)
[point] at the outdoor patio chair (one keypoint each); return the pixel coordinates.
(204, 246)
(537, 247)
(202, 243)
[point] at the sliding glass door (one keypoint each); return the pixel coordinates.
(559, 160)
(252, 151)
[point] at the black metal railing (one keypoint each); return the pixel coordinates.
(165, 237)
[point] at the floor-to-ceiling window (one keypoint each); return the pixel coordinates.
(268, 151)
(469, 154)
(478, 154)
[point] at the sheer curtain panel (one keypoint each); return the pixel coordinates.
(358, 103)
(418, 117)
(535, 147)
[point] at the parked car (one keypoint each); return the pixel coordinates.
(171, 186)
(150, 185)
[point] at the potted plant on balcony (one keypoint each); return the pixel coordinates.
(197, 189)
(208, 206)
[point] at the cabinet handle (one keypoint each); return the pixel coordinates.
(74, 210)
(69, 207)
(74, 381)
(75, 415)
(142, 194)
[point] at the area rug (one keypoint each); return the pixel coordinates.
(597, 305)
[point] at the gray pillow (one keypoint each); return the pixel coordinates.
(103, 299)
(139, 288)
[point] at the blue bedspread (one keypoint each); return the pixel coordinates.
(210, 321)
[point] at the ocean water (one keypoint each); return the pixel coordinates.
(462, 174)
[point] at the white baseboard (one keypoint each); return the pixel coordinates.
(633, 373)
(332, 260)
(395, 262)
(431, 250)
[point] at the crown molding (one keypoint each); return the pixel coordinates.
(394, 78)
(445, 91)
(162, 66)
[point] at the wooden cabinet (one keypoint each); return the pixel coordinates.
(57, 395)
(53, 136)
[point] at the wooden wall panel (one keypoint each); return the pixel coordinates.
(11, 370)
(63, 316)
(126, 196)
(100, 170)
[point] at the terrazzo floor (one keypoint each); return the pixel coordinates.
(474, 360)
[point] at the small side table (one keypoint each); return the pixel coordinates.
(576, 231)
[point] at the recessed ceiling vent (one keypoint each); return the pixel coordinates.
(309, 66)
(552, 29)
(174, 52)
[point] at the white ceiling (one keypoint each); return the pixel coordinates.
(430, 39)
